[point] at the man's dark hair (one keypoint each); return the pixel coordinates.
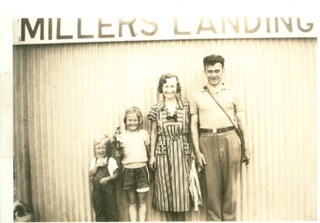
(212, 60)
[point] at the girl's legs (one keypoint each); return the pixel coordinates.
(142, 206)
(132, 205)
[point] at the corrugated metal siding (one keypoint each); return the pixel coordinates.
(64, 95)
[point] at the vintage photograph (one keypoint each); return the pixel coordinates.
(164, 118)
(129, 93)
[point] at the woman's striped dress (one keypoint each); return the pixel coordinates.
(173, 158)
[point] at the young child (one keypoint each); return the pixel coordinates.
(103, 171)
(135, 171)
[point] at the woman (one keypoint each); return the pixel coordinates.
(170, 150)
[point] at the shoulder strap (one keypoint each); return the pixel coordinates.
(207, 90)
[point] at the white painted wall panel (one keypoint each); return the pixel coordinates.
(64, 95)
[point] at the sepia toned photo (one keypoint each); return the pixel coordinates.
(164, 118)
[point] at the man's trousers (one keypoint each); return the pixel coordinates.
(223, 156)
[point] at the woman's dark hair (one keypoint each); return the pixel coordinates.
(163, 80)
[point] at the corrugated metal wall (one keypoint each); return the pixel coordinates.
(64, 95)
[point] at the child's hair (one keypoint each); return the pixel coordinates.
(103, 140)
(131, 111)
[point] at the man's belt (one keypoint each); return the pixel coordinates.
(218, 130)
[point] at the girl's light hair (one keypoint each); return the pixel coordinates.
(133, 110)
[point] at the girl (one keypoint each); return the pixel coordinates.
(103, 171)
(135, 172)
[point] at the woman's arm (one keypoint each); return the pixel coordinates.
(153, 143)
(195, 140)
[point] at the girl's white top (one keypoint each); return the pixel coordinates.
(134, 144)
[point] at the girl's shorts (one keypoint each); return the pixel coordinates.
(136, 179)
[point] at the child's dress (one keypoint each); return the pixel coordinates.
(104, 196)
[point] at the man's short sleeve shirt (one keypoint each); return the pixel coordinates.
(210, 114)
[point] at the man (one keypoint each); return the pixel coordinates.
(218, 148)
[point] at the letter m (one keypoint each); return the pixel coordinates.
(32, 32)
